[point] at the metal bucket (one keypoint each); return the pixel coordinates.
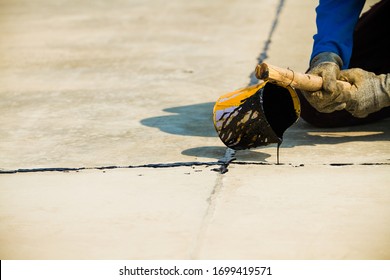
(255, 116)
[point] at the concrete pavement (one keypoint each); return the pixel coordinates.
(121, 92)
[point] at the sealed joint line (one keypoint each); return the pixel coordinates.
(221, 169)
(310, 164)
(264, 53)
(76, 169)
(267, 163)
(229, 154)
(225, 161)
(35, 170)
(361, 164)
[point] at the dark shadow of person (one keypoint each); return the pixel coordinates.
(218, 152)
(304, 134)
(189, 120)
(197, 120)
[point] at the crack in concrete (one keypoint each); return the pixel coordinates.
(207, 218)
(225, 161)
(263, 55)
(229, 156)
(69, 169)
(311, 164)
(222, 164)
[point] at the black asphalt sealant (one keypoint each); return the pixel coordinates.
(262, 56)
(221, 169)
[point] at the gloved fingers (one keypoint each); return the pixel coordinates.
(329, 82)
(329, 71)
(369, 92)
(341, 95)
(317, 99)
(333, 107)
(354, 76)
(317, 95)
(326, 102)
(359, 114)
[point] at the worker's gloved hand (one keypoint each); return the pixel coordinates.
(369, 92)
(329, 98)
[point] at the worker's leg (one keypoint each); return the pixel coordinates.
(370, 52)
(371, 40)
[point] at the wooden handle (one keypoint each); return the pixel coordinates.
(287, 77)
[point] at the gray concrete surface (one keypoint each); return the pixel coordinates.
(130, 86)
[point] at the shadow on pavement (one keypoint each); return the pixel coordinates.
(196, 120)
(303, 134)
(218, 152)
(191, 120)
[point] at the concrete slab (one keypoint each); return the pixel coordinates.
(118, 214)
(304, 144)
(311, 212)
(87, 84)
(123, 84)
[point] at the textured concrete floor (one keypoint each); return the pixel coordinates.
(118, 95)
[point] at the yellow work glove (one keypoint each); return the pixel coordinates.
(369, 92)
(329, 99)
